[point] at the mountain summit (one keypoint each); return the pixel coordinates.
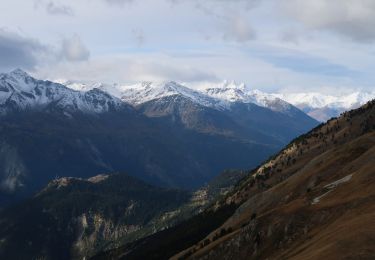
(20, 91)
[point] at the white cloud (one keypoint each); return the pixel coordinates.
(354, 19)
(119, 2)
(130, 68)
(191, 40)
(239, 29)
(138, 36)
(73, 49)
(54, 8)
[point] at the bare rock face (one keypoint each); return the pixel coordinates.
(98, 178)
(94, 230)
(12, 169)
(74, 218)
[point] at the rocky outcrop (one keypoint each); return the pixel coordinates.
(95, 230)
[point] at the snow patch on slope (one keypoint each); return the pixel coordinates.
(330, 187)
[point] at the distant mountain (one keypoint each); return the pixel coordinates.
(323, 107)
(231, 104)
(219, 97)
(173, 139)
(239, 93)
(313, 200)
(319, 106)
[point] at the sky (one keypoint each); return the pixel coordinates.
(325, 46)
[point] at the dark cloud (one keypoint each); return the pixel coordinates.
(19, 52)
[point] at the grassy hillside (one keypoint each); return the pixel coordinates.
(313, 200)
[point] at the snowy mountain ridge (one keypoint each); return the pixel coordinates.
(219, 97)
(318, 100)
(227, 91)
(143, 92)
(232, 92)
(20, 91)
(323, 107)
(222, 95)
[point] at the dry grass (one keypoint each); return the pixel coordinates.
(341, 225)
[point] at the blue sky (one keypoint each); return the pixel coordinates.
(272, 45)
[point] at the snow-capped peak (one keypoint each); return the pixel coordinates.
(146, 91)
(231, 84)
(20, 79)
(318, 100)
(232, 92)
(219, 96)
(322, 107)
(18, 73)
(228, 91)
(20, 91)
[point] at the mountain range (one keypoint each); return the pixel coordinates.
(323, 107)
(173, 137)
(122, 172)
(317, 105)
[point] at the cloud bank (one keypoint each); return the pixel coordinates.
(268, 44)
(19, 52)
(354, 19)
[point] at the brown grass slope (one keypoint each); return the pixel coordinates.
(314, 200)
